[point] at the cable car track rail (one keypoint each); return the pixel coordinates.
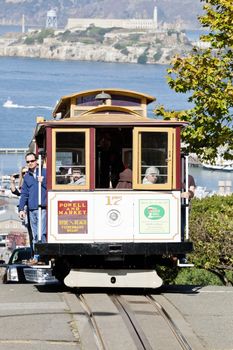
(133, 326)
(139, 320)
(97, 335)
(179, 336)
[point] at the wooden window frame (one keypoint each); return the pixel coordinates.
(137, 158)
(69, 187)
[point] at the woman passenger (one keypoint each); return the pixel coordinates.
(125, 179)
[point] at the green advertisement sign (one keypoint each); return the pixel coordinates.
(154, 212)
(154, 216)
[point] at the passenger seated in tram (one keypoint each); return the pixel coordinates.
(77, 178)
(125, 179)
(151, 175)
(62, 177)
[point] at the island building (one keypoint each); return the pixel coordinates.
(51, 19)
(134, 23)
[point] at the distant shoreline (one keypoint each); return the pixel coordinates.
(114, 45)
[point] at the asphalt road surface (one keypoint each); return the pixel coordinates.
(47, 317)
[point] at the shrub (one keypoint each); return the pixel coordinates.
(142, 59)
(69, 36)
(29, 41)
(125, 52)
(167, 273)
(158, 55)
(194, 276)
(39, 36)
(135, 37)
(119, 46)
(211, 230)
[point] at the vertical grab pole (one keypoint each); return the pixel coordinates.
(39, 199)
(186, 199)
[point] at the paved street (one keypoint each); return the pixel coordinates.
(34, 319)
(38, 317)
(209, 312)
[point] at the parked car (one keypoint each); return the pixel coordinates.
(19, 270)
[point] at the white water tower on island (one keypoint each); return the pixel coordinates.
(51, 21)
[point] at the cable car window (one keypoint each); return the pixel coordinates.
(71, 158)
(153, 158)
(119, 100)
(88, 100)
(154, 154)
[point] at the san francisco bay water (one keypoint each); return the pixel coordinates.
(35, 85)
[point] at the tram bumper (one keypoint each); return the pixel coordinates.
(111, 249)
(111, 264)
(113, 278)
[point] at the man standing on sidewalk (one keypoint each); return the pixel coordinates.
(29, 197)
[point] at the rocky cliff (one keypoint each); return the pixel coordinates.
(111, 46)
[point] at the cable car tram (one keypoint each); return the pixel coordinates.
(113, 190)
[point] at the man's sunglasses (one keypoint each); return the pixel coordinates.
(30, 161)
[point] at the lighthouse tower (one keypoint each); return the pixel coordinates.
(155, 17)
(23, 24)
(51, 21)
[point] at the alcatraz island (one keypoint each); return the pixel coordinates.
(92, 39)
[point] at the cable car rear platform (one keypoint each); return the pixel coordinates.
(111, 264)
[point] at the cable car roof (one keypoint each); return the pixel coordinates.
(89, 99)
(116, 120)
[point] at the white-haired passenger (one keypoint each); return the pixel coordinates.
(151, 175)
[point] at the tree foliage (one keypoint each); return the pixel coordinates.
(207, 76)
(142, 59)
(211, 230)
(39, 36)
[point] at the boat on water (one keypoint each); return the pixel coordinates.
(218, 167)
(221, 166)
(220, 163)
(9, 104)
